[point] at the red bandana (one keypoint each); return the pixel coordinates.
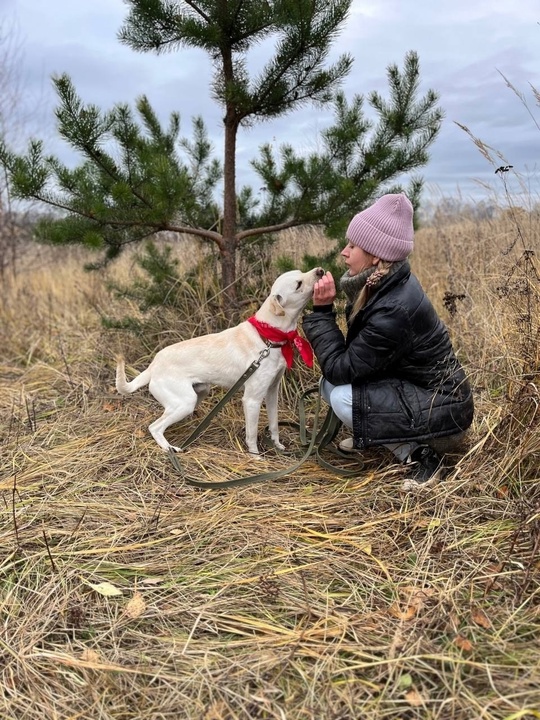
(289, 339)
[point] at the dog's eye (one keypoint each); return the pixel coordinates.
(298, 284)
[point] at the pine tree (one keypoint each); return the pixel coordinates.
(138, 177)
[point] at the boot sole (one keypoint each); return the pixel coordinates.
(411, 484)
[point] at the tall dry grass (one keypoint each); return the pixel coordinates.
(126, 593)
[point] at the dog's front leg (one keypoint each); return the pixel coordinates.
(272, 411)
(252, 409)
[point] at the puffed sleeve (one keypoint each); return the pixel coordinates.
(377, 344)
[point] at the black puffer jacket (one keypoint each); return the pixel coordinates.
(407, 382)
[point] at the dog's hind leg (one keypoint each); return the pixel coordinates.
(202, 391)
(178, 404)
(158, 427)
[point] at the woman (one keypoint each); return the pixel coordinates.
(394, 379)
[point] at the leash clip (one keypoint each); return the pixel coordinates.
(264, 354)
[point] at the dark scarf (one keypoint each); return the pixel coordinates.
(352, 285)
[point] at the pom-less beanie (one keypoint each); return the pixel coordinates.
(385, 229)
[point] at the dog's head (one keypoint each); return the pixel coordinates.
(288, 297)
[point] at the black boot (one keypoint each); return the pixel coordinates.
(424, 468)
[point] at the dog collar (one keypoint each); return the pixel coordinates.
(272, 344)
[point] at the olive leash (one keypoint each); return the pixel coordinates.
(318, 441)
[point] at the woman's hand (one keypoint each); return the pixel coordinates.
(324, 291)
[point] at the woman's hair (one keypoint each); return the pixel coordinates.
(373, 280)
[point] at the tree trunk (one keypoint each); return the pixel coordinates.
(230, 242)
(228, 229)
(228, 276)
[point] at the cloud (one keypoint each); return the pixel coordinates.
(463, 47)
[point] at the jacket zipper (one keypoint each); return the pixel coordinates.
(406, 406)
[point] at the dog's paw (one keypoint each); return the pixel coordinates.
(278, 445)
(255, 454)
(174, 448)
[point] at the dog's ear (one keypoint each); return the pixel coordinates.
(275, 305)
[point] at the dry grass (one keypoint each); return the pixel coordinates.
(310, 597)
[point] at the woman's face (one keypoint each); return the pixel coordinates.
(357, 259)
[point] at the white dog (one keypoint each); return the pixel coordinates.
(180, 375)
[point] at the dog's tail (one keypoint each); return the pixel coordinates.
(122, 385)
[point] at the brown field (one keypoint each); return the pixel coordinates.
(126, 593)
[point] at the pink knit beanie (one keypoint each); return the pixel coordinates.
(384, 230)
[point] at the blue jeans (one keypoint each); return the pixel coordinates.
(340, 399)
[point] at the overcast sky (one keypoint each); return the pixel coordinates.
(465, 48)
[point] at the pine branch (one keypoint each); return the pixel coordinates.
(252, 232)
(199, 11)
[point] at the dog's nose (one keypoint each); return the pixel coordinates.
(319, 272)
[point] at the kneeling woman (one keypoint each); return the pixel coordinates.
(394, 379)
